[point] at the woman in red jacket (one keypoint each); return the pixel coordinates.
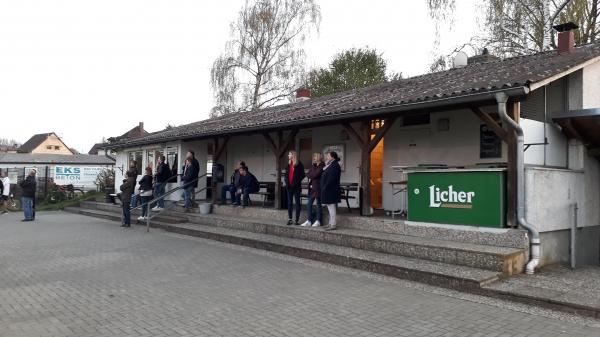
(293, 183)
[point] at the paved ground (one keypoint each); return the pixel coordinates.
(68, 275)
(579, 287)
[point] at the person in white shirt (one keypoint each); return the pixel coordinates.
(5, 192)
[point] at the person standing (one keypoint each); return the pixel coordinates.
(330, 187)
(314, 191)
(293, 180)
(133, 168)
(248, 184)
(234, 184)
(29, 186)
(163, 173)
(5, 183)
(127, 189)
(145, 192)
(190, 179)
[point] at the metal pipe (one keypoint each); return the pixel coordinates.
(574, 237)
(148, 217)
(534, 239)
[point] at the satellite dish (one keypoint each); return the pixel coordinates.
(460, 60)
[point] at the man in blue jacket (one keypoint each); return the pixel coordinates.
(248, 184)
(234, 184)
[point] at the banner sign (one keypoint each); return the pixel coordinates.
(75, 175)
(474, 198)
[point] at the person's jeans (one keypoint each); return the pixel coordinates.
(290, 196)
(126, 213)
(145, 208)
(27, 204)
(135, 200)
(224, 190)
(159, 190)
(309, 205)
(188, 196)
(246, 195)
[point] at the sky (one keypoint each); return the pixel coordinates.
(92, 69)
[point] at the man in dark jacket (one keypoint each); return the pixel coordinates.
(234, 183)
(189, 179)
(27, 200)
(248, 184)
(127, 189)
(163, 173)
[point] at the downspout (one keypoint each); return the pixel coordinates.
(534, 240)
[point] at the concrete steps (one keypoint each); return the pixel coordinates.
(430, 272)
(506, 260)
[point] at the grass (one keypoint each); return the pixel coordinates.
(66, 203)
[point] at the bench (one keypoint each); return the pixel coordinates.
(267, 190)
(346, 188)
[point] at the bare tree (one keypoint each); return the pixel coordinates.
(516, 27)
(9, 142)
(263, 63)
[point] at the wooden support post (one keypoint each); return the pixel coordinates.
(219, 148)
(491, 123)
(365, 168)
(279, 151)
(367, 144)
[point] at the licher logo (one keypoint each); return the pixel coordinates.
(450, 198)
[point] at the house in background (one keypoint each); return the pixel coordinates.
(100, 148)
(8, 149)
(45, 143)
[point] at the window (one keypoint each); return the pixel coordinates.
(172, 153)
(152, 157)
(57, 147)
(135, 157)
(416, 120)
(49, 147)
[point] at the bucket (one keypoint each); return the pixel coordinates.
(205, 208)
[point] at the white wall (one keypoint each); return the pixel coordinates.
(414, 145)
(591, 86)
(253, 150)
(551, 193)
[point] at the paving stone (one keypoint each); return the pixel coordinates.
(67, 275)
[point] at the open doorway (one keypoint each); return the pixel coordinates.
(376, 181)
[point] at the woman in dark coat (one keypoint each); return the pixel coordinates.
(293, 183)
(146, 191)
(330, 186)
(314, 191)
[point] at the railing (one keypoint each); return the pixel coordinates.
(178, 188)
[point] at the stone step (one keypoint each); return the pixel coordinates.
(156, 216)
(430, 272)
(499, 237)
(508, 261)
(513, 238)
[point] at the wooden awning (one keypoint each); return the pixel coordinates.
(583, 125)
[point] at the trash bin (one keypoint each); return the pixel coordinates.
(205, 208)
(109, 198)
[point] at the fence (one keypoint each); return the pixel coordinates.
(46, 189)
